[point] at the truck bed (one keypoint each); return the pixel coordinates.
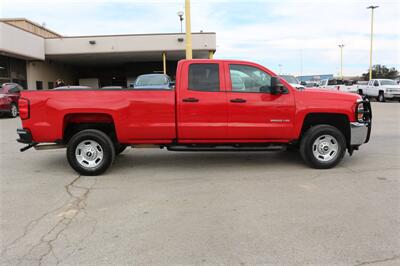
(136, 114)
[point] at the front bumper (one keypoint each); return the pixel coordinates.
(5, 107)
(392, 95)
(359, 133)
(25, 136)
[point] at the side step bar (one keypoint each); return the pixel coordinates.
(272, 147)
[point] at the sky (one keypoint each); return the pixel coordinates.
(293, 37)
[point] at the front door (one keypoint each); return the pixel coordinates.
(254, 114)
(202, 102)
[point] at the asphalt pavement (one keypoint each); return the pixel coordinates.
(160, 207)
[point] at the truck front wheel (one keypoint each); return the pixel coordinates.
(323, 146)
(90, 152)
(381, 97)
(13, 110)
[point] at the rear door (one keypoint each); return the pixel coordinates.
(254, 114)
(202, 101)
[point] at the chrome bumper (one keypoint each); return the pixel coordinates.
(359, 133)
(391, 95)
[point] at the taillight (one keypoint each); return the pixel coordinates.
(23, 108)
(338, 88)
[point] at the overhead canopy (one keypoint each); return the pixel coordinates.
(117, 49)
(121, 57)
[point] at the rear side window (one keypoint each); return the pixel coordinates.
(204, 77)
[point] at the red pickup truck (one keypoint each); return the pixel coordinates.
(217, 105)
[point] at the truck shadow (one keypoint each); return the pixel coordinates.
(133, 162)
(231, 161)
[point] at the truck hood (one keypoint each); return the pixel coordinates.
(326, 101)
(321, 95)
(391, 87)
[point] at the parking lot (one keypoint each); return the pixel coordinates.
(159, 207)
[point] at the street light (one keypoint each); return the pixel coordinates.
(372, 33)
(341, 60)
(180, 15)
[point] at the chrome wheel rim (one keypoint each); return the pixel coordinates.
(14, 110)
(325, 148)
(89, 153)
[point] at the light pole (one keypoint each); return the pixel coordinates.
(372, 34)
(188, 31)
(301, 62)
(341, 60)
(180, 15)
(280, 68)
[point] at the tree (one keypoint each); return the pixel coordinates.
(381, 72)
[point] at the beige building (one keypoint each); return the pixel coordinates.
(36, 57)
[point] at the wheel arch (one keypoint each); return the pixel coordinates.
(75, 122)
(340, 121)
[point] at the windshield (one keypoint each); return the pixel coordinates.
(290, 79)
(388, 82)
(151, 80)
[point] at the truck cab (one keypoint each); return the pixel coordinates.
(382, 89)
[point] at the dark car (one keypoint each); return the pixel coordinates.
(9, 95)
(153, 81)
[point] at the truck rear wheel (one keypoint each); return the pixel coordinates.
(90, 152)
(323, 146)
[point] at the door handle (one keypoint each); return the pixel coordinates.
(190, 100)
(238, 100)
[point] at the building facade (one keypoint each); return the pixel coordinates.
(36, 57)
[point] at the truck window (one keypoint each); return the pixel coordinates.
(248, 79)
(376, 83)
(204, 77)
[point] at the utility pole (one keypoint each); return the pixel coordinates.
(189, 54)
(341, 60)
(372, 34)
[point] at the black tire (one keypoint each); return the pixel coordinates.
(307, 146)
(360, 92)
(13, 110)
(105, 146)
(381, 97)
(119, 148)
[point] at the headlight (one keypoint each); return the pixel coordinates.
(363, 111)
(360, 112)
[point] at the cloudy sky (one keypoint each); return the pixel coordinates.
(298, 37)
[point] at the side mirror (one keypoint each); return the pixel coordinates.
(276, 86)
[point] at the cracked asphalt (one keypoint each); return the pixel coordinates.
(159, 207)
